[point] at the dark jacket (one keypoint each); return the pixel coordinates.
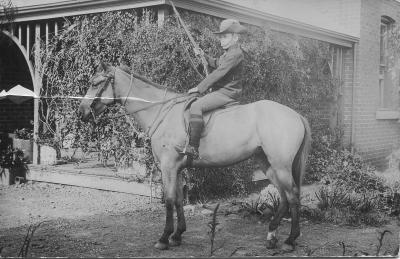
(228, 73)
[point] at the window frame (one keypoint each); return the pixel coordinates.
(384, 104)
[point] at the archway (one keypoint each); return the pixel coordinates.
(15, 68)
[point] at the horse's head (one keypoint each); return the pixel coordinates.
(100, 93)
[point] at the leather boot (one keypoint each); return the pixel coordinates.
(196, 125)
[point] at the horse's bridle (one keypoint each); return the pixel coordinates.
(97, 97)
(110, 79)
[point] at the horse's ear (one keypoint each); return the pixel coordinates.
(101, 67)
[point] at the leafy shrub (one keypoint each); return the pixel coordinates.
(212, 183)
(10, 157)
(312, 214)
(331, 198)
(254, 206)
(391, 199)
(24, 133)
(331, 164)
(336, 204)
(323, 155)
(352, 192)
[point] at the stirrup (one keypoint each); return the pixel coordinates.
(190, 151)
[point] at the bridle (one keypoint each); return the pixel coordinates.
(97, 97)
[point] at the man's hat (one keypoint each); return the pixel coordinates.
(230, 26)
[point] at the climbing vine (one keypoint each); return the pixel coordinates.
(278, 66)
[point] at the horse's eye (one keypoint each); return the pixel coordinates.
(96, 80)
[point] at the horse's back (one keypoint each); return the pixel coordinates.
(235, 133)
(268, 120)
(255, 118)
(265, 110)
(274, 107)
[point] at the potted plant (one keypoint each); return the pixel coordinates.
(12, 165)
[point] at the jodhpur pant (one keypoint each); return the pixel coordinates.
(204, 104)
(210, 102)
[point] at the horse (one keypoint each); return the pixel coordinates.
(275, 135)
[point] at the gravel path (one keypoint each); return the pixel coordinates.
(32, 203)
(81, 222)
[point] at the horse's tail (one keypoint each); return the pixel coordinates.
(299, 163)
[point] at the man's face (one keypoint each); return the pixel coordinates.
(227, 40)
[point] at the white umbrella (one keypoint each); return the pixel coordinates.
(3, 94)
(19, 94)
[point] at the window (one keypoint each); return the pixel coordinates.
(386, 88)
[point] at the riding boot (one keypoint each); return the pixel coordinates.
(196, 125)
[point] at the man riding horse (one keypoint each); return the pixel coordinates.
(225, 81)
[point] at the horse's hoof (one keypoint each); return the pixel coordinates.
(161, 246)
(287, 248)
(271, 244)
(173, 242)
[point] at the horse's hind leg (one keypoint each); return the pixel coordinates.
(265, 166)
(290, 190)
(282, 210)
(176, 238)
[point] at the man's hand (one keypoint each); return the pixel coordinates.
(193, 90)
(198, 51)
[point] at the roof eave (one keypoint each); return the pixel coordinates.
(225, 9)
(72, 8)
(218, 8)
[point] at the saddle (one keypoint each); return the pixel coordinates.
(208, 117)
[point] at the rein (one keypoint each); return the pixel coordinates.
(151, 129)
(152, 104)
(191, 39)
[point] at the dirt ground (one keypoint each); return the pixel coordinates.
(81, 222)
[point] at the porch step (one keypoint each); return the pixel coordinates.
(107, 183)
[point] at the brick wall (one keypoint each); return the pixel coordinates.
(347, 94)
(321, 117)
(373, 138)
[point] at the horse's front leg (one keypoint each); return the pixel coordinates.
(176, 238)
(169, 168)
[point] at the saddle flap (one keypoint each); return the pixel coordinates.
(207, 117)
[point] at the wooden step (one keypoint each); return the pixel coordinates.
(107, 183)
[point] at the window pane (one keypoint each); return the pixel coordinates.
(386, 79)
(383, 44)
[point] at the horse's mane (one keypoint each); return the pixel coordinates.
(127, 70)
